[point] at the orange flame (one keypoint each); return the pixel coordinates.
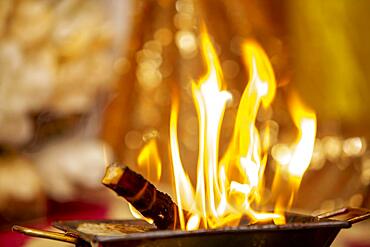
(297, 156)
(230, 187)
(225, 189)
(149, 161)
(150, 165)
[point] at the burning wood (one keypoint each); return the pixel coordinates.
(143, 195)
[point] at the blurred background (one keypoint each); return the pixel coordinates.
(83, 83)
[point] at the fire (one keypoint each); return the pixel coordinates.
(225, 189)
(150, 165)
(305, 120)
(149, 162)
(297, 157)
(230, 187)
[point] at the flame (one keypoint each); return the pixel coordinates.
(136, 214)
(225, 189)
(305, 120)
(183, 187)
(150, 165)
(149, 162)
(297, 157)
(230, 187)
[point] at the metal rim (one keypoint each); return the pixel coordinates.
(161, 234)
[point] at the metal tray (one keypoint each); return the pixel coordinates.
(300, 230)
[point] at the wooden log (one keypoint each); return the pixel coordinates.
(143, 195)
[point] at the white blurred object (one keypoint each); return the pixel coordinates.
(70, 163)
(32, 21)
(57, 57)
(34, 83)
(11, 57)
(54, 56)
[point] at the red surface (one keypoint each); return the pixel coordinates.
(56, 211)
(357, 244)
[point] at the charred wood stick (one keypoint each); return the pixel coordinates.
(138, 191)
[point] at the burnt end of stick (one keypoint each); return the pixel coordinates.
(143, 195)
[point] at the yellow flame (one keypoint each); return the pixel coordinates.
(231, 187)
(224, 190)
(297, 158)
(305, 120)
(149, 162)
(183, 187)
(246, 158)
(138, 215)
(150, 165)
(210, 101)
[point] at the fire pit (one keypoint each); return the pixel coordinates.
(300, 230)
